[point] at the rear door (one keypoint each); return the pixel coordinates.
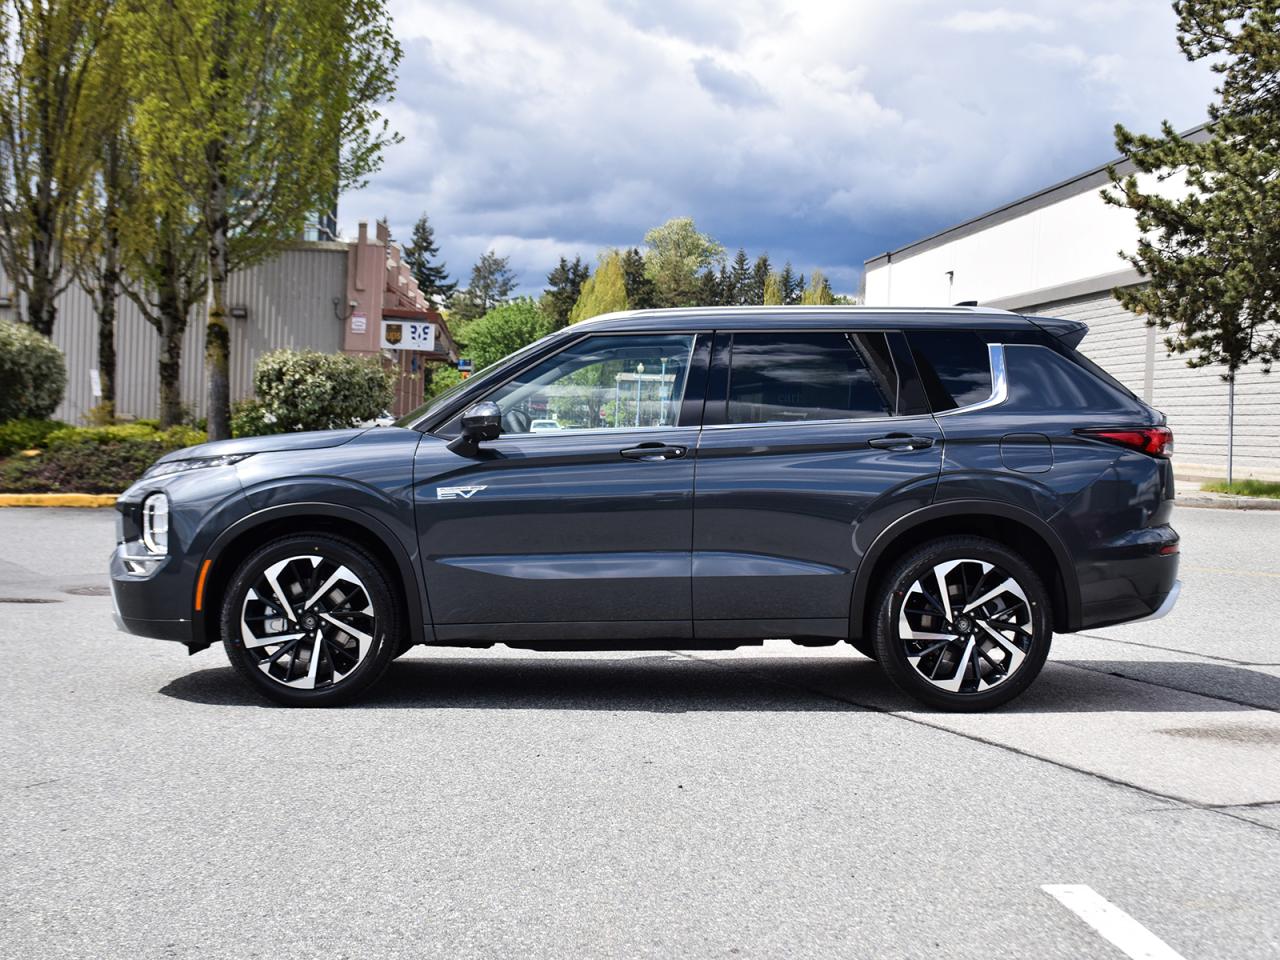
(807, 435)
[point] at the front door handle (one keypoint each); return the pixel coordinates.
(900, 442)
(653, 451)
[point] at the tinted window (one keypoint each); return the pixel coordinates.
(612, 382)
(954, 366)
(803, 376)
(1040, 379)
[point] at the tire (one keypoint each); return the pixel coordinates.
(979, 646)
(334, 608)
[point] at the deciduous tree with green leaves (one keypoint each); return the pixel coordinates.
(676, 254)
(419, 256)
(818, 293)
(255, 114)
(55, 66)
(604, 292)
(1211, 256)
(503, 330)
(773, 292)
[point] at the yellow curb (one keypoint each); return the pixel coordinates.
(58, 499)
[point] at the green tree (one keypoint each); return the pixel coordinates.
(642, 294)
(504, 330)
(604, 292)
(492, 281)
(818, 292)
(564, 286)
(419, 256)
(1211, 257)
(760, 273)
(254, 115)
(676, 254)
(773, 292)
(55, 67)
(740, 279)
(95, 250)
(792, 285)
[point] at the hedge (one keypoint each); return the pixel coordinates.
(92, 459)
(307, 390)
(33, 375)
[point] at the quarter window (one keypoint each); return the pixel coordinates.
(616, 382)
(809, 376)
(955, 367)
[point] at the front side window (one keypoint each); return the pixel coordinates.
(611, 382)
(809, 376)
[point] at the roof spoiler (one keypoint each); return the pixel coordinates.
(1070, 332)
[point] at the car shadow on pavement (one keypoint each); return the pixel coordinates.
(674, 683)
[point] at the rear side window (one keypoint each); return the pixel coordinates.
(808, 376)
(955, 367)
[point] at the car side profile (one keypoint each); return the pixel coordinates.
(941, 488)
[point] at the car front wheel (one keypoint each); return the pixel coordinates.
(962, 623)
(311, 620)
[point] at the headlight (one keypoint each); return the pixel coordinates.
(155, 523)
(182, 466)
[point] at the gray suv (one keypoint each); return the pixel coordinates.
(942, 489)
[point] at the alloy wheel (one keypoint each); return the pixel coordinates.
(966, 626)
(308, 621)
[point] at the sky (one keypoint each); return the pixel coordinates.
(820, 133)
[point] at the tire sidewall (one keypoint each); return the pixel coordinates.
(368, 671)
(892, 654)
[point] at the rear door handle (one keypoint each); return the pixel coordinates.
(901, 442)
(653, 451)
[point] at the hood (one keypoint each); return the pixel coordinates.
(309, 440)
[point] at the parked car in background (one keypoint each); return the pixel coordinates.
(943, 489)
(541, 426)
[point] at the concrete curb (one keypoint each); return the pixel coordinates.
(1222, 501)
(58, 499)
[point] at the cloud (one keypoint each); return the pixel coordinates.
(731, 87)
(998, 20)
(822, 137)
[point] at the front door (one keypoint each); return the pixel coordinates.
(577, 522)
(807, 435)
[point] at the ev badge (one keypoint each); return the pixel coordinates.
(453, 493)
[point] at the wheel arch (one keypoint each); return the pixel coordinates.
(246, 535)
(1012, 526)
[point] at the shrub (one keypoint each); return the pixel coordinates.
(250, 419)
(307, 390)
(33, 376)
(18, 435)
(93, 459)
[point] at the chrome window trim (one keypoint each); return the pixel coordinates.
(756, 424)
(585, 431)
(999, 384)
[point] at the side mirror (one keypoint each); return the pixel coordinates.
(483, 421)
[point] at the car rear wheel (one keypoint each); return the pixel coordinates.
(962, 623)
(311, 621)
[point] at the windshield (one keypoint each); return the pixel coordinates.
(431, 408)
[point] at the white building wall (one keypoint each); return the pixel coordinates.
(1058, 254)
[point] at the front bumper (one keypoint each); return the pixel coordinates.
(144, 603)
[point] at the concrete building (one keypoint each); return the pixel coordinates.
(1056, 253)
(319, 295)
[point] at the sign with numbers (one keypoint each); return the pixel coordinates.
(408, 335)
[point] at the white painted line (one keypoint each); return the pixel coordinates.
(1114, 924)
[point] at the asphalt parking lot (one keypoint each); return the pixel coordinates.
(769, 802)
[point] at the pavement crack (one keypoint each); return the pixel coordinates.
(1189, 653)
(1078, 665)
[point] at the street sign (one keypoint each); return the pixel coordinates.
(466, 366)
(408, 335)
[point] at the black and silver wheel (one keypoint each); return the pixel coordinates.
(963, 623)
(310, 621)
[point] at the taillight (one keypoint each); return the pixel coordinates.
(1155, 441)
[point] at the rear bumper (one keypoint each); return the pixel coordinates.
(1166, 607)
(1128, 588)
